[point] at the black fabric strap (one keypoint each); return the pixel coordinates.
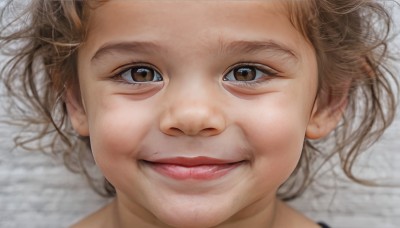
(323, 225)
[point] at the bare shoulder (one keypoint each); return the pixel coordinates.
(97, 219)
(289, 217)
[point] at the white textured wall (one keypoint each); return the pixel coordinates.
(37, 191)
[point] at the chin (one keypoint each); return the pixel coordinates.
(199, 216)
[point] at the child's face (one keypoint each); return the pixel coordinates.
(196, 111)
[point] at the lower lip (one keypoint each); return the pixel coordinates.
(200, 172)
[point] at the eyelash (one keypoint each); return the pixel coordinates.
(268, 74)
(119, 75)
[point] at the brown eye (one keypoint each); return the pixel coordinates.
(141, 75)
(244, 73)
(249, 73)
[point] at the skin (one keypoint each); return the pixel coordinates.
(197, 109)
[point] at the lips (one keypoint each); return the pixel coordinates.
(196, 168)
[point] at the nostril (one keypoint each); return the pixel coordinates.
(175, 131)
(192, 120)
(209, 131)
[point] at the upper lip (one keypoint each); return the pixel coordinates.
(192, 161)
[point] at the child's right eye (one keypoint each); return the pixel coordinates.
(140, 74)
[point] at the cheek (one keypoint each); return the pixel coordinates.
(279, 140)
(117, 127)
(276, 135)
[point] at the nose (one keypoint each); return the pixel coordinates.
(192, 117)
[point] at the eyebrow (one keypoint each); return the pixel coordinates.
(259, 46)
(124, 47)
(229, 47)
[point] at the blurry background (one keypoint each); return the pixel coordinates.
(37, 191)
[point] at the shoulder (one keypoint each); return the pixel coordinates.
(289, 217)
(97, 219)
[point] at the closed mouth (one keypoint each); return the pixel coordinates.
(197, 168)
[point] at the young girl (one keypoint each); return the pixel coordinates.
(201, 113)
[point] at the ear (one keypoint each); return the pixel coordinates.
(77, 113)
(324, 120)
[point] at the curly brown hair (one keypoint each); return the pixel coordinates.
(350, 38)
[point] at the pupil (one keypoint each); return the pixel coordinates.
(245, 74)
(142, 75)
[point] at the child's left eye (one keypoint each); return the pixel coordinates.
(245, 73)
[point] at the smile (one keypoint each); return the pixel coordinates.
(197, 168)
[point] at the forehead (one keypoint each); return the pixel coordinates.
(154, 20)
(185, 8)
(289, 7)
